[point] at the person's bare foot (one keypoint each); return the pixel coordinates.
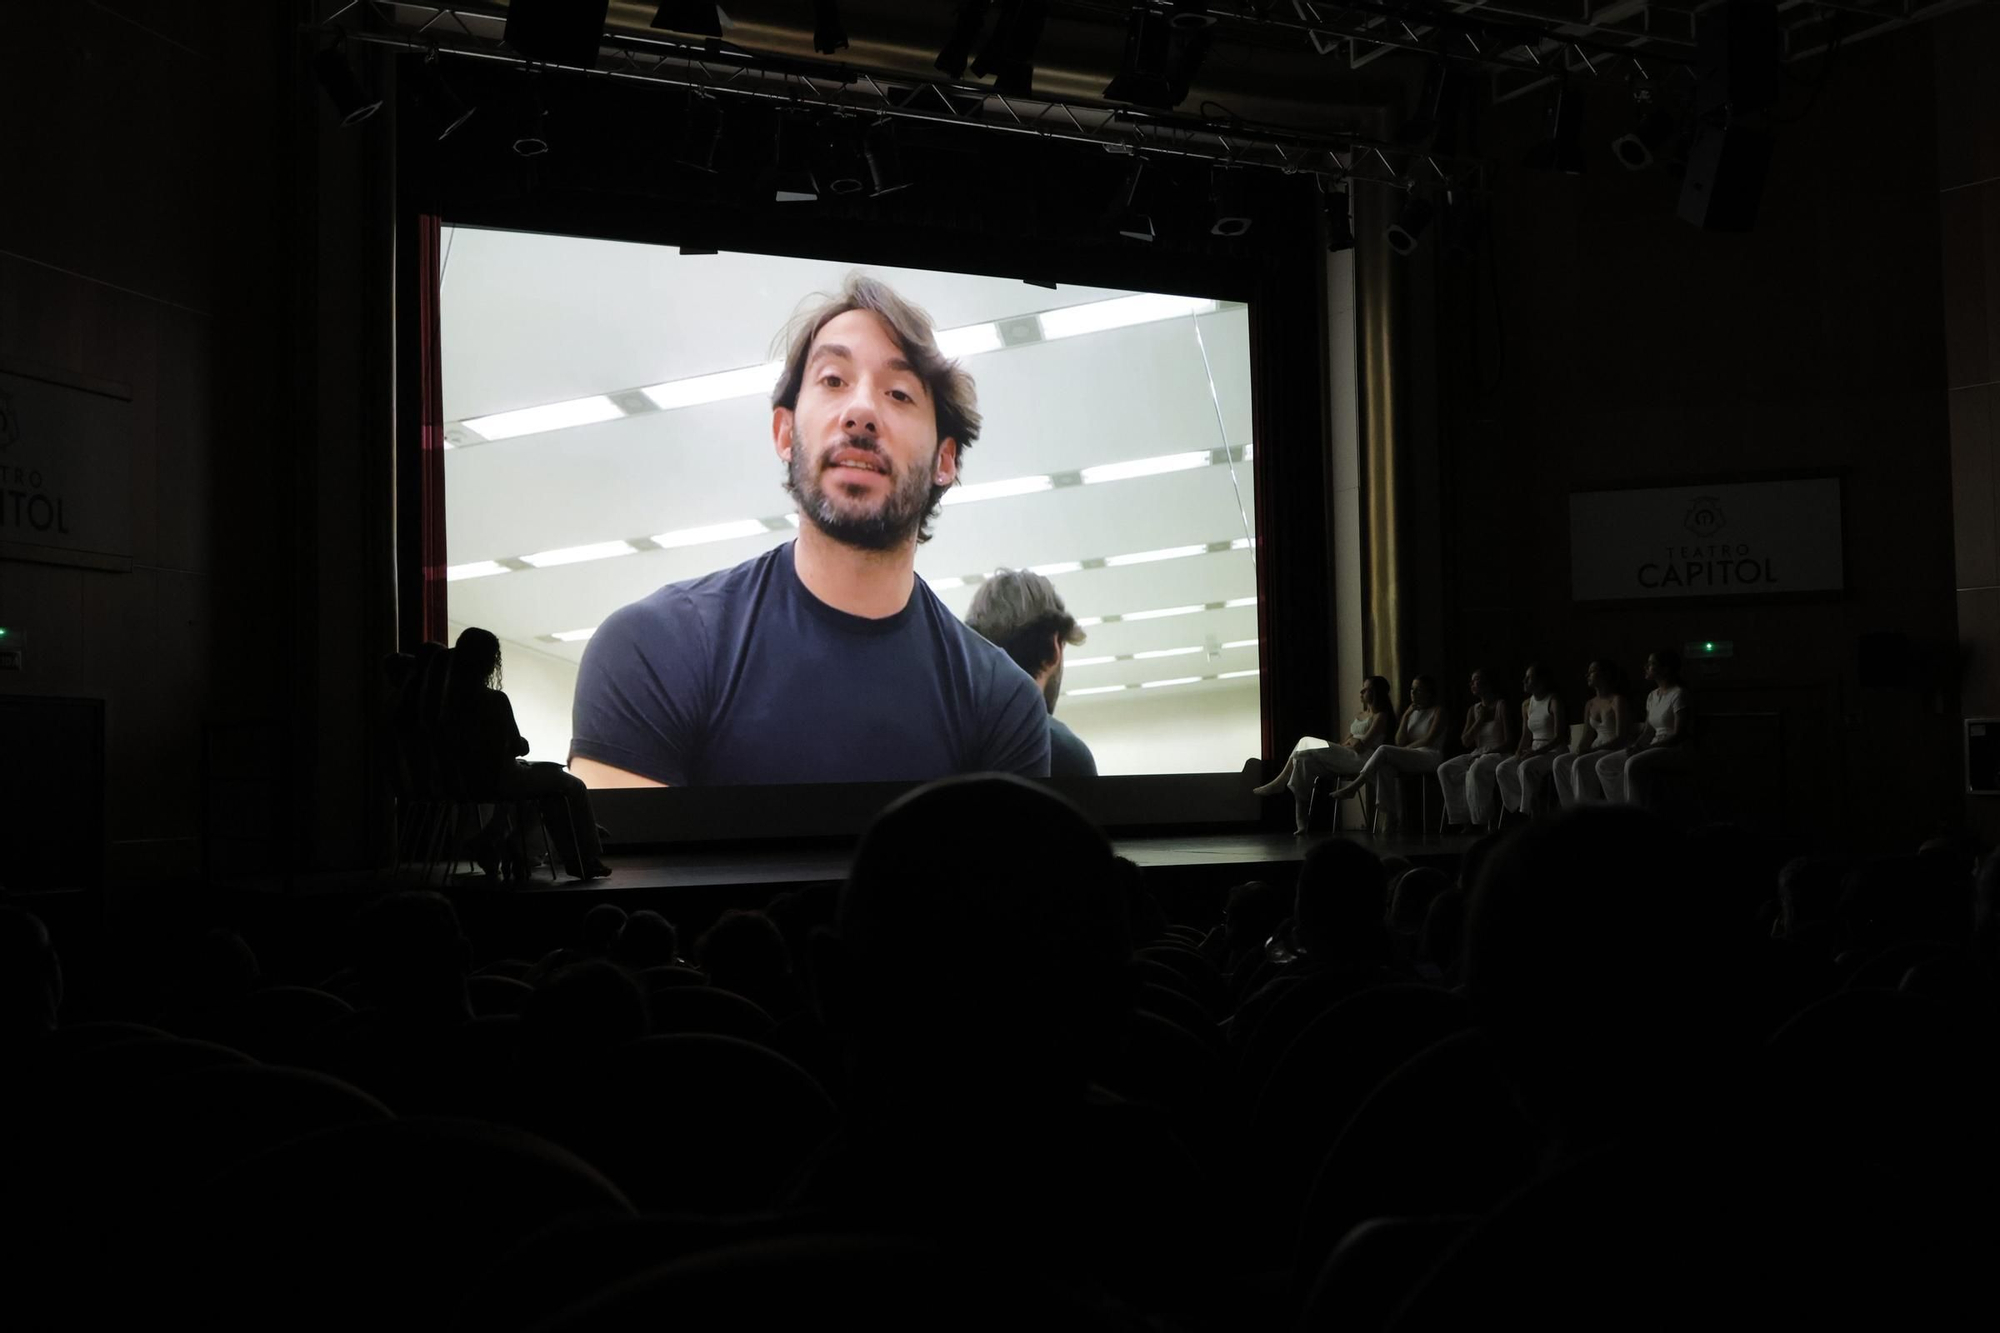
(1271, 788)
(1344, 790)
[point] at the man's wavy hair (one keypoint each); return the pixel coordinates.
(1020, 611)
(949, 385)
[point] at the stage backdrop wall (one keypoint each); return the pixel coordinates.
(1629, 349)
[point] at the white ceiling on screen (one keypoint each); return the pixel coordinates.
(531, 321)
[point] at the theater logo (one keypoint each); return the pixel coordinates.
(65, 468)
(1753, 538)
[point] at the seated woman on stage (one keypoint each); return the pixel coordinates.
(1610, 729)
(1659, 754)
(1313, 758)
(1543, 737)
(1468, 779)
(483, 741)
(1418, 748)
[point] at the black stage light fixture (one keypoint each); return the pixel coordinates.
(1640, 147)
(791, 175)
(1562, 150)
(531, 138)
(1128, 218)
(445, 111)
(1229, 200)
(1408, 228)
(701, 133)
(700, 17)
(1009, 54)
(845, 170)
(557, 32)
(965, 26)
(1191, 15)
(885, 159)
(829, 34)
(351, 102)
(1339, 225)
(1142, 71)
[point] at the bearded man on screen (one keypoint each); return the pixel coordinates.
(826, 659)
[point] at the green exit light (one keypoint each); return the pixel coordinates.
(1712, 648)
(3, 633)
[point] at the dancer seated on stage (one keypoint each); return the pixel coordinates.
(1313, 758)
(1418, 748)
(1468, 779)
(1641, 772)
(483, 740)
(1543, 737)
(1609, 719)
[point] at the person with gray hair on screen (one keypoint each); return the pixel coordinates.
(1020, 611)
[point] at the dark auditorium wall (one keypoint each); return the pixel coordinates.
(1640, 350)
(1968, 179)
(173, 224)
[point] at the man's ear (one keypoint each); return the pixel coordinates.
(782, 423)
(946, 471)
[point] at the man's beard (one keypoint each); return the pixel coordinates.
(893, 522)
(1052, 687)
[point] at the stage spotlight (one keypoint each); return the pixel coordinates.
(701, 133)
(1191, 15)
(1229, 198)
(701, 17)
(965, 27)
(351, 102)
(532, 139)
(828, 33)
(557, 32)
(440, 104)
(1408, 228)
(1339, 227)
(1653, 129)
(1563, 149)
(791, 176)
(1009, 54)
(1128, 218)
(885, 159)
(1142, 72)
(846, 170)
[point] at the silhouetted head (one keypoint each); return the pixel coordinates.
(1376, 695)
(475, 659)
(1663, 667)
(214, 967)
(981, 939)
(647, 940)
(1253, 913)
(1021, 612)
(31, 982)
(1146, 919)
(743, 952)
(1603, 968)
(579, 1012)
(601, 926)
(1341, 904)
(411, 955)
(1411, 902)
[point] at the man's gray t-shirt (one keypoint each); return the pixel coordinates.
(1069, 757)
(743, 676)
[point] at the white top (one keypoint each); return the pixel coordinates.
(1419, 722)
(1667, 711)
(1542, 719)
(1492, 733)
(1361, 726)
(1606, 724)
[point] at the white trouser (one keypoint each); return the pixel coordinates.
(1386, 767)
(1565, 770)
(1469, 787)
(1585, 786)
(1520, 780)
(1321, 761)
(1657, 778)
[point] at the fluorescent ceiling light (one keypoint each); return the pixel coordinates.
(449, 445)
(1241, 643)
(1164, 652)
(1163, 612)
(750, 381)
(947, 583)
(1059, 567)
(570, 555)
(1096, 689)
(1247, 455)
(574, 635)
(1237, 675)
(549, 416)
(1177, 680)
(714, 532)
(970, 340)
(1087, 661)
(1144, 467)
(1118, 313)
(1091, 620)
(478, 569)
(1241, 601)
(997, 490)
(1147, 557)
(1240, 544)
